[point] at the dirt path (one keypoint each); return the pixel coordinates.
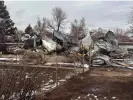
(98, 84)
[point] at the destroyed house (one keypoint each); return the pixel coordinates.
(29, 43)
(111, 38)
(47, 33)
(97, 36)
(25, 37)
(63, 39)
(105, 41)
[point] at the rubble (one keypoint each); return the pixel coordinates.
(87, 41)
(49, 44)
(15, 50)
(98, 48)
(101, 60)
(32, 42)
(63, 39)
(105, 49)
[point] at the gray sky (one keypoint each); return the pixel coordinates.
(105, 14)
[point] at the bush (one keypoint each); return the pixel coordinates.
(16, 84)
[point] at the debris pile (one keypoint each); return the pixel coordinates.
(106, 45)
(95, 48)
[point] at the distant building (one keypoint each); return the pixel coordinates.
(131, 38)
(8, 38)
(25, 37)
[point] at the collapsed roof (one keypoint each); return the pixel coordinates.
(49, 44)
(107, 41)
(107, 46)
(65, 38)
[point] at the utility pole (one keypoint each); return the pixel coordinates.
(56, 65)
(90, 48)
(35, 42)
(83, 57)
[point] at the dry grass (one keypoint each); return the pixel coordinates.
(34, 57)
(17, 85)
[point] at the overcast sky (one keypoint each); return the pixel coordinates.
(107, 14)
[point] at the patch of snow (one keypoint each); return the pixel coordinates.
(95, 97)
(43, 81)
(79, 97)
(86, 65)
(27, 76)
(45, 89)
(77, 64)
(105, 97)
(88, 95)
(5, 59)
(51, 81)
(113, 97)
(62, 80)
(48, 86)
(84, 96)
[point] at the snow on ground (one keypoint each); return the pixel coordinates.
(93, 97)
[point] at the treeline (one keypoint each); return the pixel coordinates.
(57, 22)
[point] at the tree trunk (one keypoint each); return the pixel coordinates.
(58, 28)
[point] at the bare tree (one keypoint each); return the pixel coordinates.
(50, 24)
(19, 34)
(74, 28)
(121, 35)
(119, 31)
(78, 29)
(41, 26)
(58, 19)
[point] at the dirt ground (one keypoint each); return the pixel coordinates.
(96, 84)
(42, 79)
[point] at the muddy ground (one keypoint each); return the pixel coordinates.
(96, 84)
